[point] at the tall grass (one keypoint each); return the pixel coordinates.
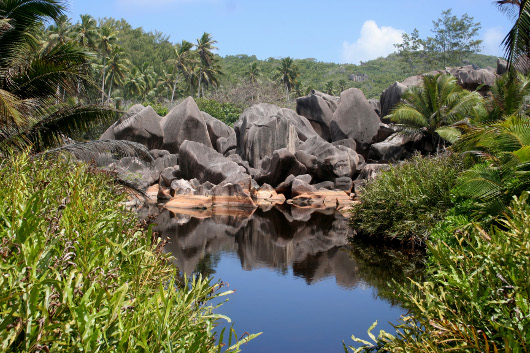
(477, 298)
(77, 275)
(406, 201)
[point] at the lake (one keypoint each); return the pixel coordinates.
(296, 276)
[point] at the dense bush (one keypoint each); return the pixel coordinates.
(228, 113)
(477, 295)
(406, 201)
(75, 276)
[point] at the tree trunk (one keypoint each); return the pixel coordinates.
(174, 88)
(110, 87)
(103, 79)
(286, 93)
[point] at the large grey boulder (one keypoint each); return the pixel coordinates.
(161, 163)
(286, 186)
(318, 108)
(391, 97)
(184, 122)
(226, 145)
(134, 171)
(277, 168)
(216, 130)
(329, 162)
(502, 66)
(393, 148)
(142, 126)
(202, 162)
(355, 118)
(265, 128)
(471, 79)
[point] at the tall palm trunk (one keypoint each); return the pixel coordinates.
(110, 86)
(174, 88)
(103, 79)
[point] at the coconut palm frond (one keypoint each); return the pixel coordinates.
(407, 115)
(58, 71)
(65, 120)
(481, 182)
(91, 150)
(449, 133)
(517, 41)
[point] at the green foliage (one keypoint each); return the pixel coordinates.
(503, 153)
(438, 102)
(43, 86)
(228, 113)
(477, 296)
(516, 42)
(76, 276)
(406, 201)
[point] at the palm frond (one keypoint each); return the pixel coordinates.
(90, 150)
(517, 41)
(449, 133)
(59, 121)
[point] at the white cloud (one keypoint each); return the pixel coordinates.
(492, 40)
(374, 42)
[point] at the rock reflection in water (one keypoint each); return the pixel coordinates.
(310, 241)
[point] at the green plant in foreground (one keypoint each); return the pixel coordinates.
(75, 276)
(407, 200)
(429, 109)
(477, 298)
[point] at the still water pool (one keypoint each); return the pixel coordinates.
(296, 276)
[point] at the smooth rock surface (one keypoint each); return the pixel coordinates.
(355, 117)
(184, 122)
(199, 161)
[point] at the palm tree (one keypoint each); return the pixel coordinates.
(148, 76)
(32, 109)
(503, 149)
(86, 32)
(135, 85)
(207, 75)
(117, 68)
(107, 38)
(182, 52)
(517, 41)
(204, 48)
(253, 73)
(287, 73)
(329, 88)
(508, 97)
(61, 31)
(428, 109)
(342, 85)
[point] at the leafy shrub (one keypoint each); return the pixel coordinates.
(228, 113)
(477, 295)
(74, 275)
(406, 201)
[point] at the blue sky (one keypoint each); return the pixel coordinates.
(340, 31)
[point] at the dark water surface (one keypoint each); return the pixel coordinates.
(297, 278)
